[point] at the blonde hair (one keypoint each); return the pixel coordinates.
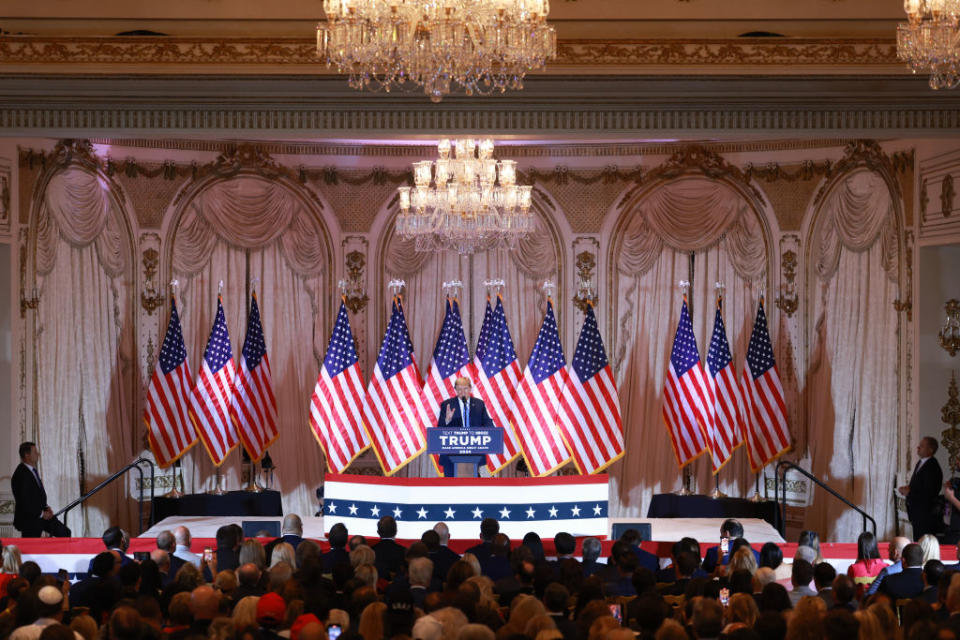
(362, 555)
(245, 613)
(929, 544)
(538, 623)
(283, 552)
(371, 621)
(602, 626)
(463, 380)
(743, 559)
(743, 608)
(473, 561)
(367, 574)
(252, 551)
(11, 559)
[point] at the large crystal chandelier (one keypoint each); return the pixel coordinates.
(930, 41)
(483, 46)
(468, 202)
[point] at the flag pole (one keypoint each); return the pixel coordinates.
(218, 489)
(756, 490)
(716, 493)
(686, 476)
(177, 465)
(252, 485)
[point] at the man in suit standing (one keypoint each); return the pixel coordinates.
(390, 556)
(32, 515)
(924, 487)
(462, 411)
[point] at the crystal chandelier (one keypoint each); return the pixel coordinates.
(929, 41)
(484, 46)
(468, 202)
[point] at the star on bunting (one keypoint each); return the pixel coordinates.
(477, 513)
(422, 513)
(449, 513)
(553, 512)
(504, 513)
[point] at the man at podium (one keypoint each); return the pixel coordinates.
(463, 411)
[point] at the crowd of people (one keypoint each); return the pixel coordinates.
(347, 589)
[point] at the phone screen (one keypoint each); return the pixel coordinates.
(333, 631)
(616, 612)
(207, 554)
(724, 545)
(724, 596)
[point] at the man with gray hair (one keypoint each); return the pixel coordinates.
(167, 543)
(420, 573)
(591, 555)
(443, 558)
(181, 536)
(291, 532)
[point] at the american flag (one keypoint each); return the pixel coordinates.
(210, 400)
(393, 410)
(169, 429)
(253, 407)
(336, 416)
(685, 395)
(765, 429)
(451, 360)
(726, 402)
(496, 373)
(589, 416)
(538, 398)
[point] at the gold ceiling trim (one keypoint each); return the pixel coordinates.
(200, 51)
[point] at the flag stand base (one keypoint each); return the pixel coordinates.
(252, 485)
(177, 482)
(218, 489)
(756, 497)
(716, 494)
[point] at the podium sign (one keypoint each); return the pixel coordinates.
(459, 441)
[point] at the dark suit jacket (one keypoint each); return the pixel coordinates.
(478, 414)
(30, 497)
(481, 551)
(334, 557)
(389, 560)
(906, 584)
(496, 567)
(925, 485)
(646, 559)
(565, 625)
(443, 558)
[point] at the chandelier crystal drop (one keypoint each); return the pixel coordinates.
(483, 46)
(930, 41)
(467, 201)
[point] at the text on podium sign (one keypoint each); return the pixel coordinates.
(459, 441)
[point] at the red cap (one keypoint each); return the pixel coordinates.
(300, 623)
(271, 607)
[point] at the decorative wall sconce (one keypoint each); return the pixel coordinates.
(28, 303)
(950, 414)
(586, 294)
(151, 299)
(354, 296)
(949, 335)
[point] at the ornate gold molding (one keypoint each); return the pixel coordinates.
(788, 300)
(727, 52)
(205, 51)
(947, 194)
(868, 154)
(586, 296)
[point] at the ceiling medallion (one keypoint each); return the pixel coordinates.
(481, 46)
(468, 202)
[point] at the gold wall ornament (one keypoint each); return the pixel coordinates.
(586, 291)
(28, 302)
(354, 296)
(947, 195)
(949, 335)
(150, 298)
(950, 414)
(788, 300)
(924, 199)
